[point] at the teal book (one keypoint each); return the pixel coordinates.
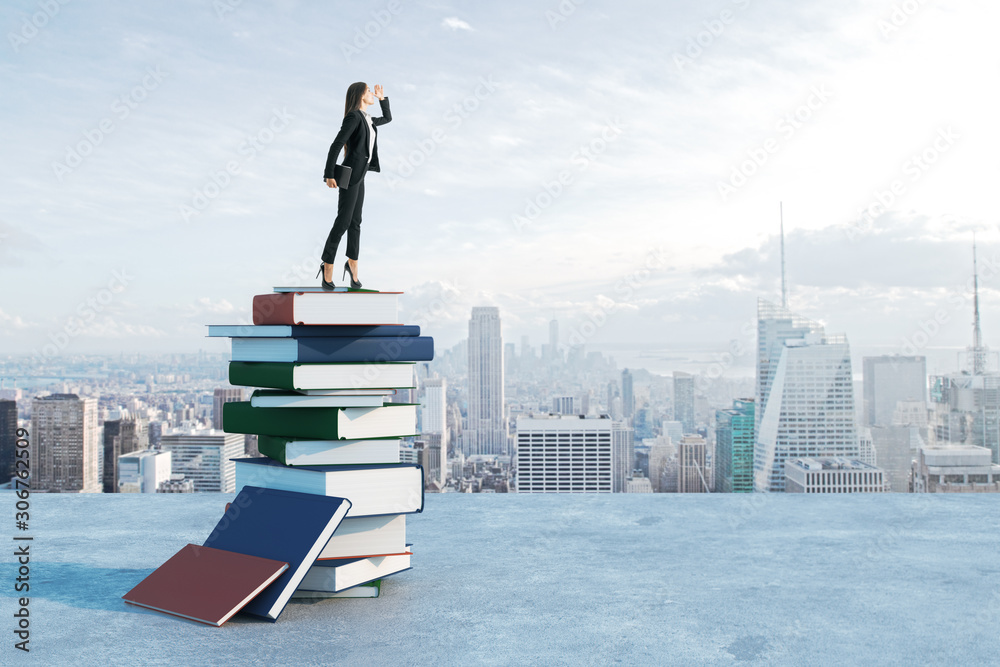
(294, 452)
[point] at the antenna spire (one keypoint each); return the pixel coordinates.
(784, 292)
(978, 351)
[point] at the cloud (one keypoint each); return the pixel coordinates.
(15, 243)
(454, 23)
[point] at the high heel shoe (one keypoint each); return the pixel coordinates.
(325, 285)
(347, 269)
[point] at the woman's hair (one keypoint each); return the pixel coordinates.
(355, 92)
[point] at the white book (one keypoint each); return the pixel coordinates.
(318, 307)
(395, 488)
(335, 576)
(367, 536)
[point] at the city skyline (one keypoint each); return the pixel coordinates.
(639, 240)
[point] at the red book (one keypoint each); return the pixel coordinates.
(205, 584)
(293, 308)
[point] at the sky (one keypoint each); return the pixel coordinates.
(622, 167)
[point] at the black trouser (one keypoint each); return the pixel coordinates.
(349, 220)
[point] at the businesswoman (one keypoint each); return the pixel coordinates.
(358, 137)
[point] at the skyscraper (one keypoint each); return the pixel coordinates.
(65, 451)
(693, 475)
(486, 431)
(684, 400)
(775, 325)
(809, 408)
(888, 380)
(554, 340)
(220, 396)
(434, 415)
(628, 397)
(734, 448)
(966, 405)
(121, 436)
(8, 439)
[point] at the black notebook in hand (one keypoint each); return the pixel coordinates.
(342, 175)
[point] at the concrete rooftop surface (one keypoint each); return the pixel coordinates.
(550, 579)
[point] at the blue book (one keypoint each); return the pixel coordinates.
(334, 349)
(279, 525)
(374, 489)
(310, 330)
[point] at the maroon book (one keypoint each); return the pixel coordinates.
(205, 584)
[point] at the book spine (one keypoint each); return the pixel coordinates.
(274, 308)
(272, 447)
(306, 423)
(261, 374)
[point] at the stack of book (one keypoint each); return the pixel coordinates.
(323, 512)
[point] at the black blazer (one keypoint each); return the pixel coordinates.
(354, 134)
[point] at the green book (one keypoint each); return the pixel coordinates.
(303, 376)
(369, 590)
(392, 420)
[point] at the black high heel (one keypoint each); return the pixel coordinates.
(347, 269)
(325, 285)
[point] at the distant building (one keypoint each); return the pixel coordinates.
(673, 430)
(805, 395)
(966, 409)
(486, 431)
(434, 411)
(204, 457)
(734, 448)
(628, 397)
(570, 454)
(832, 475)
(563, 405)
(176, 484)
(65, 451)
(143, 471)
(638, 485)
(221, 396)
(684, 400)
(433, 460)
(888, 380)
(408, 453)
(554, 340)
(121, 436)
(896, 447)
(659, 457)
(693, 473)
(8, 439)
(955, 468)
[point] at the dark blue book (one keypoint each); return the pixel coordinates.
(279, 525)
(310, 330)
(334, 349)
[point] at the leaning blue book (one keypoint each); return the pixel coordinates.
(279, 525)
(334, 349)
(374, 489)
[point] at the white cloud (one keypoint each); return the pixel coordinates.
(455, 23)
